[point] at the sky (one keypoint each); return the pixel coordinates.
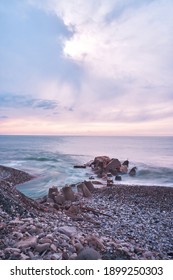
(77, 67)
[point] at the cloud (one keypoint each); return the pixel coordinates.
(102, 61)
(3, 117)
(8, 100)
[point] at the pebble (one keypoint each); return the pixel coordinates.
(120, 222)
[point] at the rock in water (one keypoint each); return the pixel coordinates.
(115, 164)
(118, 178)
(132, 172)
(126, 163)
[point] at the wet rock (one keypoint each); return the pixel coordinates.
(114, 164)
(126, 163)
(101, 161)
(132, 172)
(123, 169)
(118, 178)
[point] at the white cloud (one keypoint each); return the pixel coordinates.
(124, 48)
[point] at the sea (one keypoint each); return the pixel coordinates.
(51, 159)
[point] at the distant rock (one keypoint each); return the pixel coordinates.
(132, 172)
(113, 165)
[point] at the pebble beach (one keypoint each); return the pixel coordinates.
(113, 222)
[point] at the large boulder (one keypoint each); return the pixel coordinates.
(113, 165)
(101, 161)
(68, 193)
(124, 169)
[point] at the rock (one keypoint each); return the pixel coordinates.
(124, 169)
(132, 172)
(18, 235)
(24, 257)
(29, 242)
(59, 199)
(53, 247)
(95, 242)
(126, 163)
(45, 240)
(101, 161)
(113, 165)
(68, 193)
(53, 191)
(88, 254)
(84, 190)
(118, 178)
(42, 247)
(56, 206)
(89, 185)
(56, 256)
(109, 182)
(67, 230)
(79, 166)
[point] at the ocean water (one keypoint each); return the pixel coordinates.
(51, 159)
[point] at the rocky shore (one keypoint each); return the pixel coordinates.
(110, 222)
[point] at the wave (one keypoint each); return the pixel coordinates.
(41, 159)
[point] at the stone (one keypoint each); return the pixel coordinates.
(88, 254)
(29, 242)
(24, 257)
(45, 240)
(84, 190)
(114, 164)
(59, 199)
(118, 178)
(42, 247)
(80, 166)
(53, 191)
(123, 169)
(101, 161)
(95, 242)
(132, 172)
(68, 193)
(126, 163)
(89, 185)
(67, 230)
(53, 247)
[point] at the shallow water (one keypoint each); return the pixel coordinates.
(51, 158)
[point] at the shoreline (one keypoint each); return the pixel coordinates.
(127, 221)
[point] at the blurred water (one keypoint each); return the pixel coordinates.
(51, 158)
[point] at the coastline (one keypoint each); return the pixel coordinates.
(128, 222)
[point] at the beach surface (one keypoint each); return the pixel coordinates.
(116, 222)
